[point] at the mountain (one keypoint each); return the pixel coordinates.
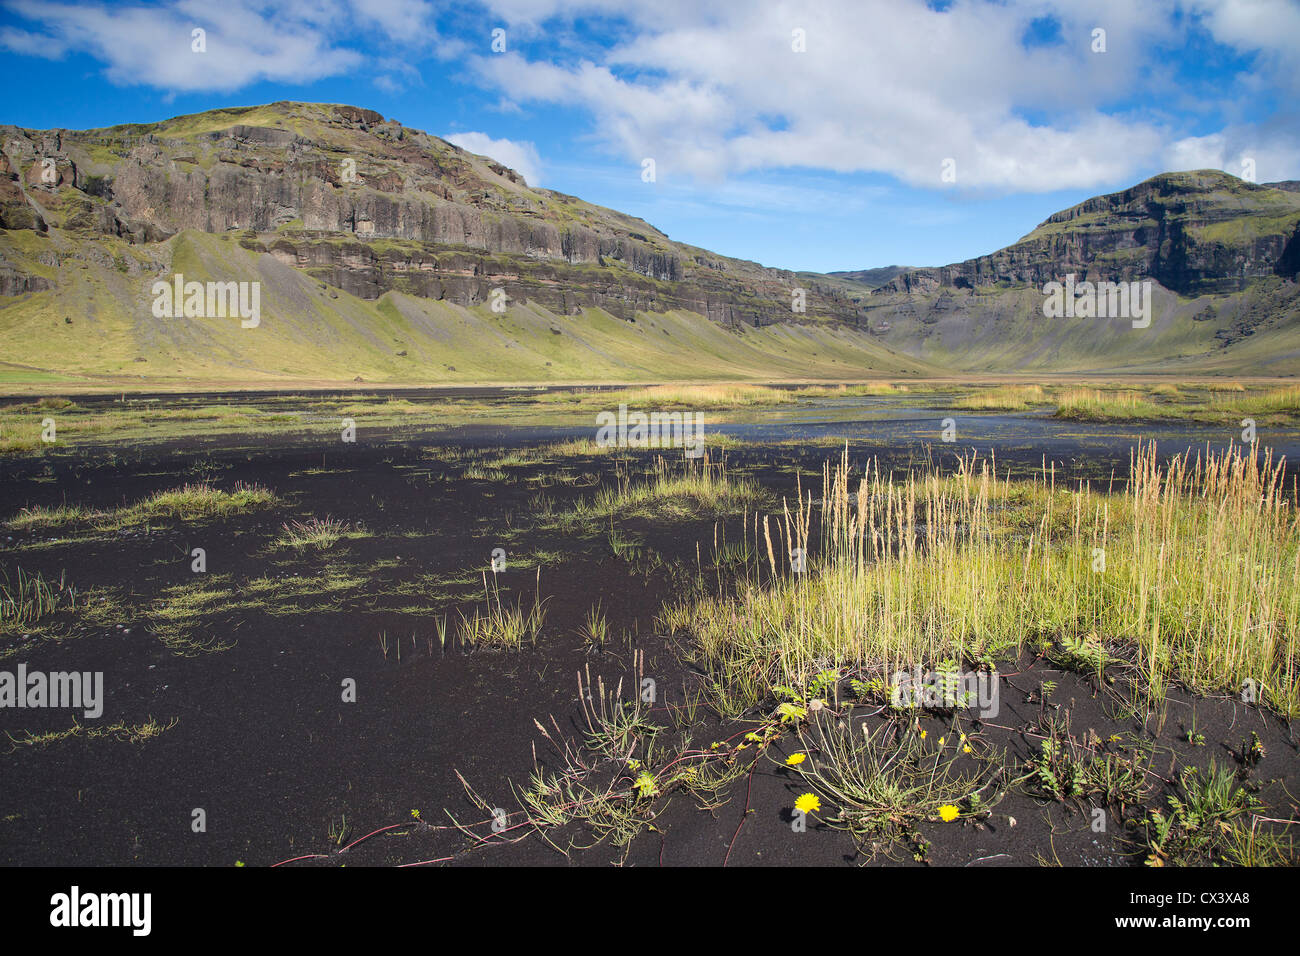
(874, 278)
(385, 255)
(1222, 255)
(379, 250)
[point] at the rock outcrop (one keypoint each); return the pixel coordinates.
(370, 206)
(1194, 233)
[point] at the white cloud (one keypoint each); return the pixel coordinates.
(522, 157)
(247, 41)
(711, 90)
(1268, 28)
(1268, 154)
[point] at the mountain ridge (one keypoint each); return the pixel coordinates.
(392, 256)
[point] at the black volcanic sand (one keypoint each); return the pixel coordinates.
(263, 743)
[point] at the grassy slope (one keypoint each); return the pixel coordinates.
(999, 330)
(313, 333)
(1005, 330)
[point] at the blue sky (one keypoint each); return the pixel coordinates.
(802, 135)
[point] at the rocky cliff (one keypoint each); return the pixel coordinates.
(371, 206)
(1222, 256)
(382, 253)
(1194, 233)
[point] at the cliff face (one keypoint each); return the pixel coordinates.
(1222, 254)
(1194, 233)
(378, 241)
(370, 206)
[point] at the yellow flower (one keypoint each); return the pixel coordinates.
(966, 749)
(808, 803)
(795, 759)
(941, 741)
(924, 735)
(948, 813)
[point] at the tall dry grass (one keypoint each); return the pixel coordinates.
(1002, 398)
(1194, 568)
(1090, 404)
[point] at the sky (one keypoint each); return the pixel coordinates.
(833, 135)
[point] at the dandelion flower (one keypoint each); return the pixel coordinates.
(948, 813)
(808, 803)
(795, 759)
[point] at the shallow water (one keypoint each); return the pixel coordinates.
(895, 432)
(900, 431)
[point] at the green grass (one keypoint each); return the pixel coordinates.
(1003, 398)
(1274, 402)
(318, 533)
(701, 396)
(29, 598)
(595, 628)
(672, 490)
(1200, 578)
(501, 625)
(1095, 405)
(192, 618)
(188, 503)
(878, 786)
(120, 730)
(1224, 404)
(1205, 824)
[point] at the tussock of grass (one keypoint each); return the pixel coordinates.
(849, 391)
(879, 786)
(187, 503)
(317, 533)
(18, 439)
(1196, 566)
(202, 501)
(501, 625)
(1205, 824)
(1275, 401)
(703, 396)
(694, 487)
(1226, 404)
(29, 598)
(1094, 405)
(1003, 398)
